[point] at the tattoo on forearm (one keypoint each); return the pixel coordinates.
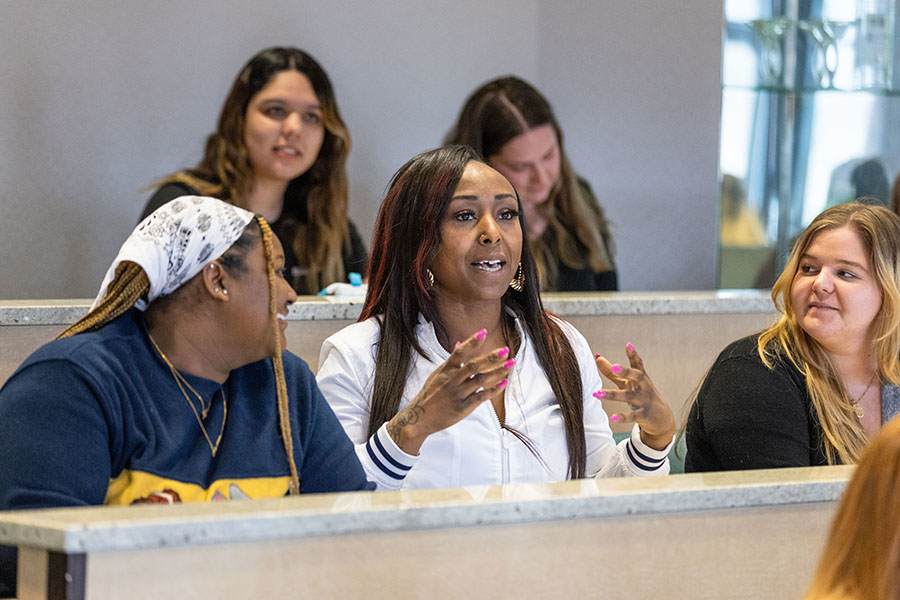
(408, 416)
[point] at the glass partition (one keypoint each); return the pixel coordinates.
(808, 101)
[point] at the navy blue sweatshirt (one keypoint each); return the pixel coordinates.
(98, 418)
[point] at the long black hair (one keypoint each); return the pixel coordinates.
(406, 240)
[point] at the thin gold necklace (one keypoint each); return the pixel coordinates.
(182, 382)
(859, 408)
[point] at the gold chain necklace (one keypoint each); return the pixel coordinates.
(182, 382)
(859, 408)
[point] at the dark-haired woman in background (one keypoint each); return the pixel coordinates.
(455, 374)
(511, 125)
(280, 150)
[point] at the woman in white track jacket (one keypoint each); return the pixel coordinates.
(516, 399)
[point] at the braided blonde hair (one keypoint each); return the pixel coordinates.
(284, 415)
(129, 285)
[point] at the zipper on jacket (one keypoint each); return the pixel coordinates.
(504, 451)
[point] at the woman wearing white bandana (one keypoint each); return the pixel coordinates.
(176, 386)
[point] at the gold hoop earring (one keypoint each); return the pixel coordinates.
(430, 276)
(518, 283)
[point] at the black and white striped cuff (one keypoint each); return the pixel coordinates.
(386, 457)
(643, 456)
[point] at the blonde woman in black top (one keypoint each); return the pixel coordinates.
(815, 386)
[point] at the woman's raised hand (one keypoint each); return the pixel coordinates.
(469, 377)
(646, 407)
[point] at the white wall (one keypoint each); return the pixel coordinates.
(637, 88)
(98, 99)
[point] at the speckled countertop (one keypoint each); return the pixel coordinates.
(99, 529)
(64, 311)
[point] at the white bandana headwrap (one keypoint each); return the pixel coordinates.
(177, 240)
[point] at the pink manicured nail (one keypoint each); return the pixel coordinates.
(510, 363)
(616, 369)
(596, 356)
(458, 344)
(629, 347)
(614, 418)
(600, 394)
(502, 384)
(481, 334)
(503, 351)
